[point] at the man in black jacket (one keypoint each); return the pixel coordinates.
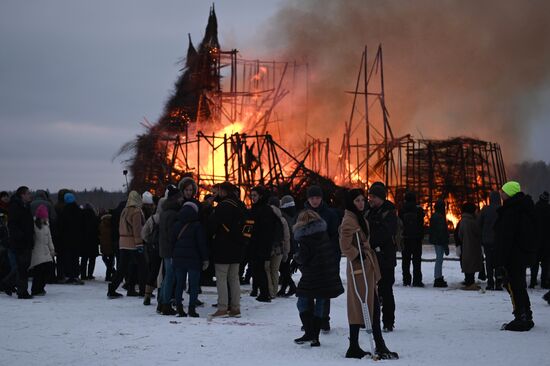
(514, 239)
(412, 217)
(225, 229)
(542, 256)
(382, 219)
(21, 229)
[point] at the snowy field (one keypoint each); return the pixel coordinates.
(78, 325)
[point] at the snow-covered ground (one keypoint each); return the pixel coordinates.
(78, 325)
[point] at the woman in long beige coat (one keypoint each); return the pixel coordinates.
(354, 223)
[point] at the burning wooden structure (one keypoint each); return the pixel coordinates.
(216, 127)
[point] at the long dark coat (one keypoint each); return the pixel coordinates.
(315, 258)
(190, 248)
(470, 236)
(90, 247)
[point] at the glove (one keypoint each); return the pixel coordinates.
(205, 265)
(446, 250)
(140, 249)
(293, 266)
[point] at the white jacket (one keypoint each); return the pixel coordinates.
(43, 250)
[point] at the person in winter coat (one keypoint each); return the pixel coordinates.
(71, 229)
(150, 233)
(225, 227)
(320, 273)
(288, 209)
(21, 236)
(190, 255)
(106, 245)
(513, 243)
(43, 252)
(355, 226)
(131, 246)
(56, 235)
(412, 217)
(280, 249)
(168, 218)
(261, 241)
(148, 207)
(471, 259)
(486, 221)
(542, 256)
(382, 218)
(90, 242)
(316, 203)
(439, 237)
(8, 263)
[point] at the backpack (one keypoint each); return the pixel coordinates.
(153, 239)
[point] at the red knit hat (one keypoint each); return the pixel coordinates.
(41, 212)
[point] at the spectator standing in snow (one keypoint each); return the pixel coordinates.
(316, 203)
(106, 245)
(486, 221)
(148, 207)
(71, 229)
(471, 259)
(542, 255)
(190, 255)
(280, 250)
(354, 224)
(131, 246)
(21, 233)
(288, 209)
(168, 218)
(412, 217)
(320, 279)
(382, 218)
(151, 238)
(43, 251)
(225, 227)
(514, 236)
(439, 237)
(90, 242)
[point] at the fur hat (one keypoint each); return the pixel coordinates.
(314, 191)
(41, 212)
(287, 201)
(186, 182)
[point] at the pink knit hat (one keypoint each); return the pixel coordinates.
(41, 212)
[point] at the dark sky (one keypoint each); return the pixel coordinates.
(78, 77)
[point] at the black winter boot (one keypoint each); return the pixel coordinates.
(111, 293)
(383, 353)
(546, 297)
(181, 312)
(307, 322)
(440, 282)
(192, 312)
(522, 322)
(167, 309)
(317, 323)
(354, 351)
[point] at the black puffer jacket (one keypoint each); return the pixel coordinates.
(332, 220)
(439, 233)
(513, 238)
(90, 247)
(190, 248)
(20, 225)
(225, 230)
(487, 218)
(168, 219)
(71, 228)
(315, 258)
(261, 241)
(383, 226)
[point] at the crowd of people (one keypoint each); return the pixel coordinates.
(174, 243)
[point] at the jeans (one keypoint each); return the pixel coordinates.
(168, 281)
(10, 278)
(439, 252)
(194, 279)
(317, 305)
(228, 274)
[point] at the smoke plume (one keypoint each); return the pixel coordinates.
(451, 67)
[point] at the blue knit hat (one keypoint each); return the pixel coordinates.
(69, 198)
